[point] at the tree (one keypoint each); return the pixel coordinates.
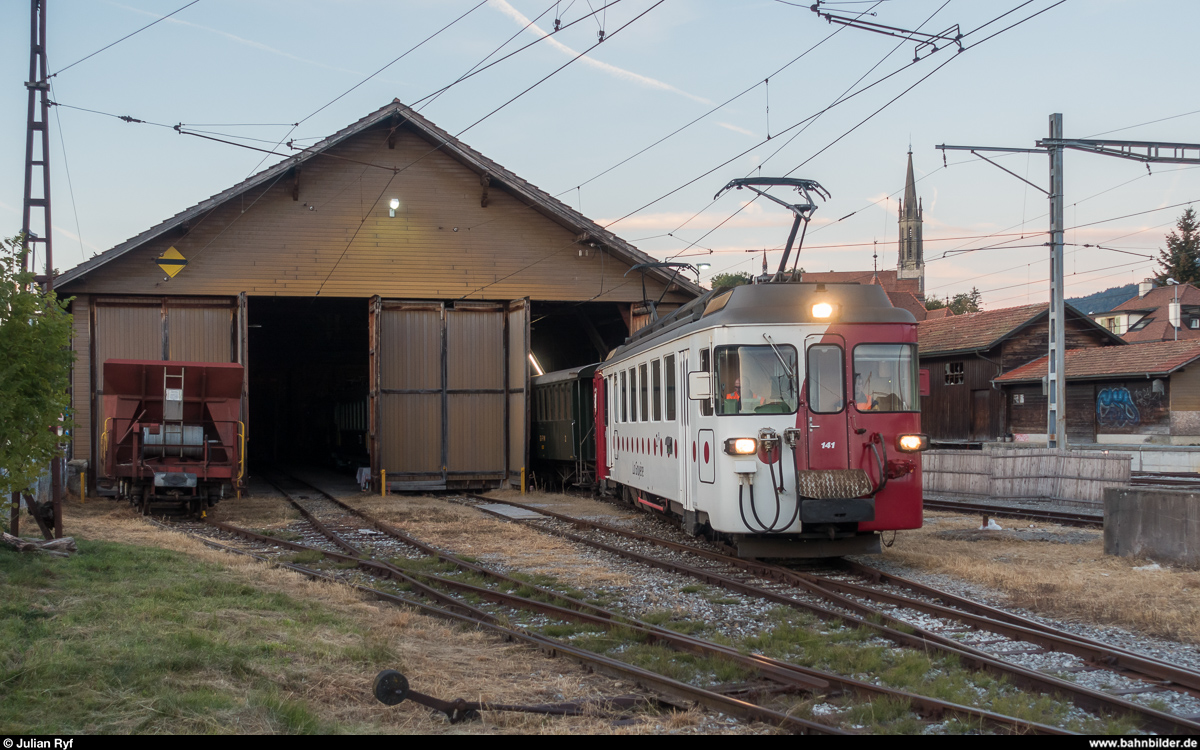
(1179, 261)
(35, 366)
(729, 280)
(963, 302)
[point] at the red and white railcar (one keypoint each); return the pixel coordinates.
(784, 416)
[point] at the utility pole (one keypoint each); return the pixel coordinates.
(1054, 146)
(38, 86)
(38, 121)
(1056, 370)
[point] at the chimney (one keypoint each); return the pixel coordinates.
(1145, 287)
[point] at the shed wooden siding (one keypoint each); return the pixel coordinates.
(1185, 389)
(337, 238)
(963, 413)
(948, 413)
(81, 378)
(1130, 407)
(1033, 342)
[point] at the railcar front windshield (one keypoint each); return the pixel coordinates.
(885, 378)
(755, 380)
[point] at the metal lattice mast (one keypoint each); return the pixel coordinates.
(1054, 146)
(1056, 390)
(38, 121)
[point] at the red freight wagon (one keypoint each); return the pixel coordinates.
(171, 432)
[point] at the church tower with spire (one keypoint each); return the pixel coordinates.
(911, 263)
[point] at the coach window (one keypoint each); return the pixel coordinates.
(669, 366)
(624, 407)
(633, 391)
(644, 389)
(756, 380)
(706, 407)
(656, 388)
(826, 386)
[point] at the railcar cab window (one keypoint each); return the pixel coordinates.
(706, 405)
(756, 380)
(885, 377)
(826, 386)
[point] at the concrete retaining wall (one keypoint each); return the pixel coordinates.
(1158, 524)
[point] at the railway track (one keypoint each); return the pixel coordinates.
(982, 637)
(352, 540)
(1179, 480)
(1065, 518)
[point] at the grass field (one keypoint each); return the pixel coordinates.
(147, 631)
(122, 638)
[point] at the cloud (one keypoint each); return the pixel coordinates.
(613, 70)
(736, 129)
(241, 40)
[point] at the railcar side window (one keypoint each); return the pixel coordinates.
(644, 389)
(706, 407)
(624, 407)
(885, 377)
(656, 389)
(633, 402)
(826, 386)
(669, 366)
(756, 380)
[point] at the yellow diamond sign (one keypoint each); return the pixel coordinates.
(171, 261)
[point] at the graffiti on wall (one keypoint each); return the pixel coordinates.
(1115, 408)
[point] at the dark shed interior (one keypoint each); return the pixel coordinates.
(308, 381)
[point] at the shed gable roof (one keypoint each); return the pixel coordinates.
(404, 116)
(984, 330)
(1159, 358)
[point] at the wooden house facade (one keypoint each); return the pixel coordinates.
(1143, 393)
(964, 354)
(381, 289)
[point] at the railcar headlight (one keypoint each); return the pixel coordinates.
(741, 446)
(822, 310)
(912, 443)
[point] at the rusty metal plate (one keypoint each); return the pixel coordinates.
(834, 484)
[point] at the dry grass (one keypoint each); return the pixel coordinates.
(1067, 581)
(261, 507)
(466, 531)
(439, 658)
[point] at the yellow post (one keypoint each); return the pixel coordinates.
(382, 482)
(83, 486)
(522, 480)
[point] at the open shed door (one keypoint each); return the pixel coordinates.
(448, 386)
(517, 340)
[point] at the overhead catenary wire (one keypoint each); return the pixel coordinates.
(132, 33)
(524, 91)
(402, 55)
(842, 97)
(70, 184)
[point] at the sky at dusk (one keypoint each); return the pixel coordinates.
(757, 87)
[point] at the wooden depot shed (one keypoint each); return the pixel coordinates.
(1135, 394)
(388, 291)
(965, 353)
